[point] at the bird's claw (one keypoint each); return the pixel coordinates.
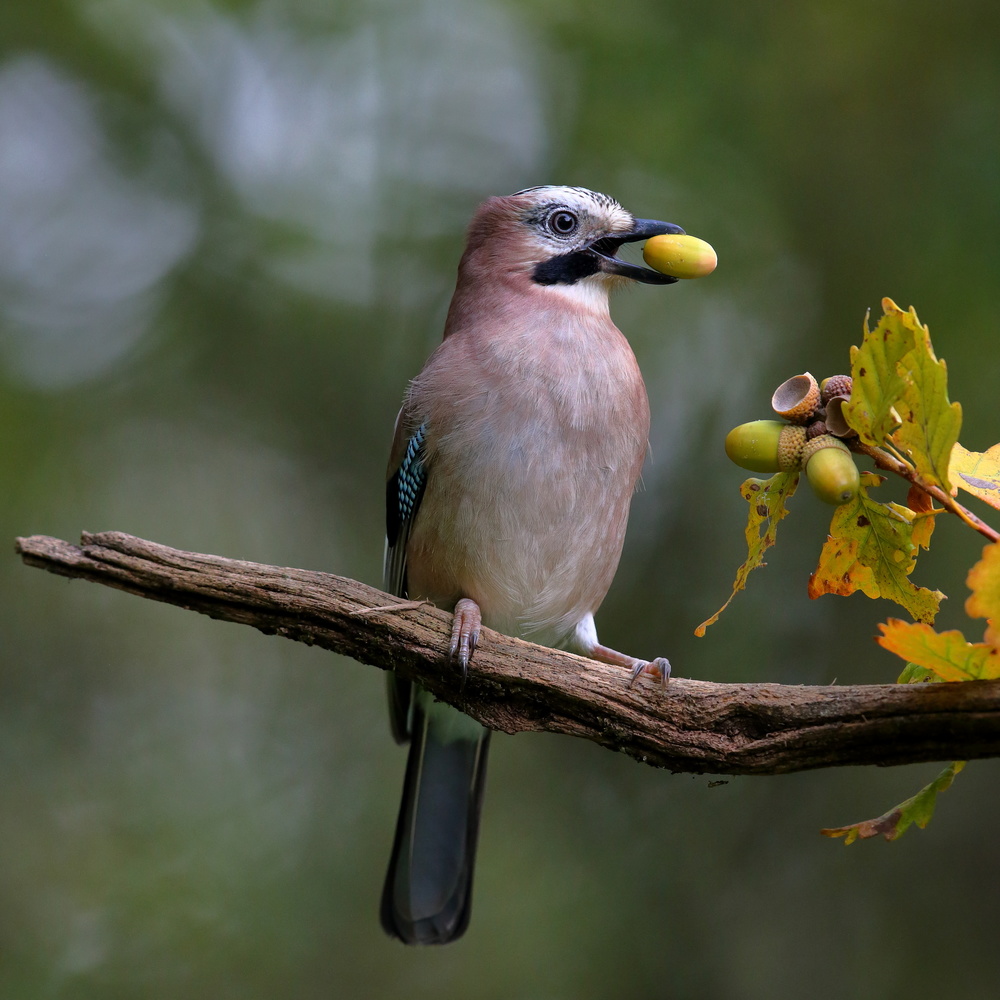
(464, 634)
(658, 669)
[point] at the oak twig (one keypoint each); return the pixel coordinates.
(889, 463)
(515, 686)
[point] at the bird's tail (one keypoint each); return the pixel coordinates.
(427, 897)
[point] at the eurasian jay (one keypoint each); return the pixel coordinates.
(515, 457)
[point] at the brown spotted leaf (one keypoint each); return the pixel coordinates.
(929, 422)
(977, 472)
(878, 382)
(767, 498)
(899, 398)
(893, 824)
(872, 547)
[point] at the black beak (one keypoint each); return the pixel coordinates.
(606, 247)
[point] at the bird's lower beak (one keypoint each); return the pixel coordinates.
(605, 249)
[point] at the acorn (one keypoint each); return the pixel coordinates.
(830, 470)
(754, 445)
(680, 255)
(796, 399)
(835, 385)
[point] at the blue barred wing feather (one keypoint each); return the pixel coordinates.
(403, 492)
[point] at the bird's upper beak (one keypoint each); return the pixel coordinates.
(606, 247)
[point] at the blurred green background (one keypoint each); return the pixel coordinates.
(228, 236)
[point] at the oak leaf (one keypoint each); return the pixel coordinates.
(899, 398)
(948, 654)
(929, 422)
(878, 383)
(767, 498)
(984, 601)
(977, 472)
(893, 824)
(872, 547)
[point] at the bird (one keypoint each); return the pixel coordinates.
(514, 459)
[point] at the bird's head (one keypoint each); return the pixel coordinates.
(561, 237)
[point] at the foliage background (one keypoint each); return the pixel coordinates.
(228, 234)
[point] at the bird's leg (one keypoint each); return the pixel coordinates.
(465, 634)
(658, 668)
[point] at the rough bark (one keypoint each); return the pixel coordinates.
(515, 686)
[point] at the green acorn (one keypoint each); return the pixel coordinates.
(754, 445)
(766, 446)
(830, 470)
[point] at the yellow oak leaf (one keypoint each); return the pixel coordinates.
(878, 384)
(977, 472)
(929, 423)
(872, 547)
(899, 398)
(840, 571)
(947, 654)
(767, 498)
(984, 602)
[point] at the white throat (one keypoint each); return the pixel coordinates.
(590, 294)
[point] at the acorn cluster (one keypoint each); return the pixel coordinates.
(811, 437)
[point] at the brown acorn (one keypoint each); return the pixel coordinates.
(835, 385)
(796, 399)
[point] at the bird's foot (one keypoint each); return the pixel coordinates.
(465, 634)
(658, 668)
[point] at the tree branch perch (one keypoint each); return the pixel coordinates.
(515, 686)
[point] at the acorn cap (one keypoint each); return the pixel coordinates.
(816, 444)
(791, 441)
(836, 423)
(796, 399)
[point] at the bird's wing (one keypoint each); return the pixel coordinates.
(404, 490)
(427, 895)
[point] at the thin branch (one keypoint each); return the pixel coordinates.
(515, 686)
(890, 463)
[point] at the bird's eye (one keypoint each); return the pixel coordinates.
(563, 223)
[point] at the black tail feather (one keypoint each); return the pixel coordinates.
(427, 897)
